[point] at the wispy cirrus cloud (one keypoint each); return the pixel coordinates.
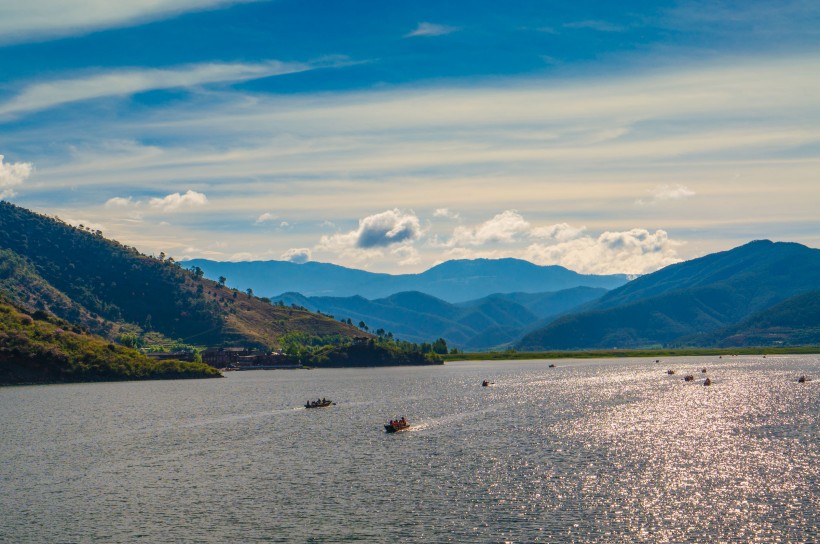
(35, 19)
(124, 82)
(600, 26)
(431, 29)
(12, 174)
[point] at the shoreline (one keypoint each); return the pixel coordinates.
(625, 353)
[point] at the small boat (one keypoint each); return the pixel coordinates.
(803, 379)
(670, 371)
(707, 381)
(552, 365)
(688, 378)
(703, 371)
(396, 425)
(324, 403)
(485, 383)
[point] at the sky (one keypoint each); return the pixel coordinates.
(606, 137)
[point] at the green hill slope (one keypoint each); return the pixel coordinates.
(685, 302)
(43, 349)
(107, 287)
(793, 322)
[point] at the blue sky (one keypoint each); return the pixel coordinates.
(602, 136)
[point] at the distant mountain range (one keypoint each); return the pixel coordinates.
(762, 293)
(757, 294)
(479, 324)
(452, 281)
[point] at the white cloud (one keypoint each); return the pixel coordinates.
(264, 218)
(40, 96)
(298, 255)
(668, 192)
(445, 212)
(119, 202)
(505, 227)
(33, 19)
(12, 174)
(431, 29)
(561, 232)
(380, 230)
(176, 201)
(636, 251)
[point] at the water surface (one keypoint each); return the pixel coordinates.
(589, 451)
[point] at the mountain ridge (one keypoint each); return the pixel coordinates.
(686, 299)
(453, 281)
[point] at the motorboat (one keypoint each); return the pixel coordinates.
(396, 425)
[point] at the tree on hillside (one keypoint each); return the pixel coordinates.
(222, 280)
(440, 346)
(249, 291)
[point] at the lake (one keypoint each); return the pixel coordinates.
(589, 451)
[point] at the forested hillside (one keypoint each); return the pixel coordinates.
(40, 348)
(110, 288)
(683, 304)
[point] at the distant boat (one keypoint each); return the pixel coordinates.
(396, 425)
(485, 383)
(552, 365)
(324, 403)
(670, 371)
(707, 381)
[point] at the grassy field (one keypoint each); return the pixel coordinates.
(620, 353)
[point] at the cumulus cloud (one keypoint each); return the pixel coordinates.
(505, 227)
(667, 192)
(383, 229)
(12, 174)
(636, 251)
(298, 255)
(119, 202)
(560, 231)
(445, 212)
(431, 29)
(264, 218)
(175, 201)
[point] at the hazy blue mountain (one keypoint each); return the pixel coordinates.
(478, 324)
(551, 304)
(453, 281)
(683, 302)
